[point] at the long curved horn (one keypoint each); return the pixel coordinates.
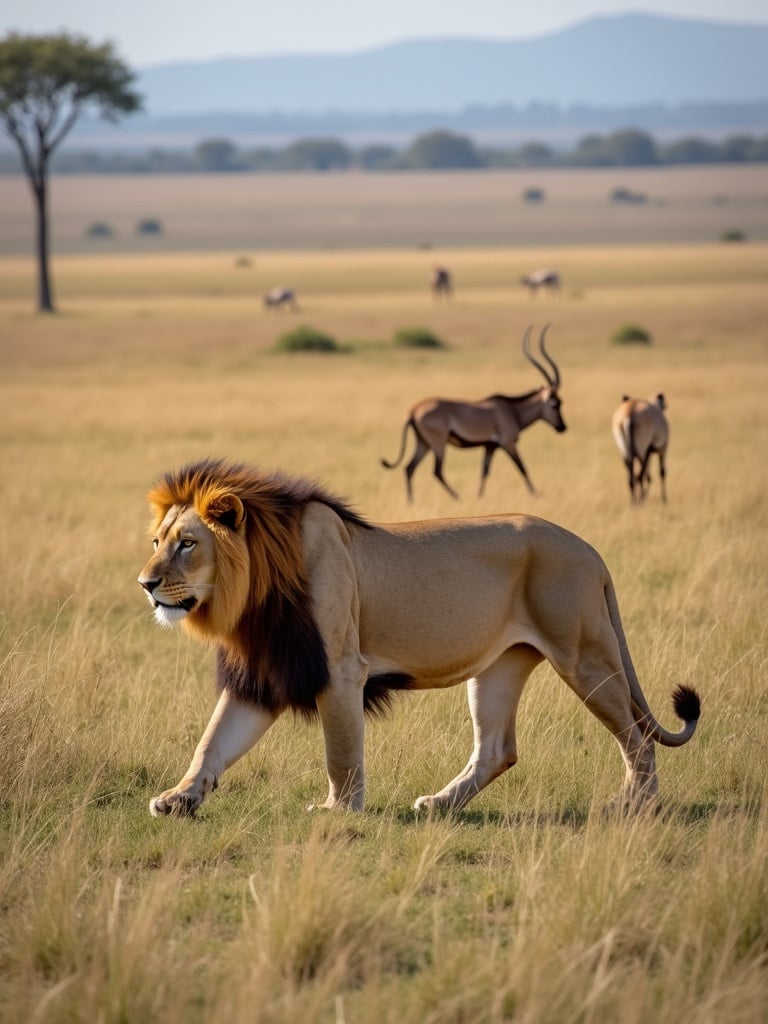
(529, 357)
(548, 357)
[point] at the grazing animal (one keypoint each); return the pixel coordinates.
(317, 610)
(544, 278)
(491, 423)
(640, 428)
(281, 298)
(441, 283)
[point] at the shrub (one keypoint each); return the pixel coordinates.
(631, 334)
(733, 235)
(417, 337)
(150, 226)
(99, 230)
(534, 195)
(306, 339)
(626, 195)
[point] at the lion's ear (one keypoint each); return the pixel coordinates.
(227, 510)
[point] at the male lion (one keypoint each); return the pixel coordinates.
(317, 610)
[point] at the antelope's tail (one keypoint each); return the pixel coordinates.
(392, 465)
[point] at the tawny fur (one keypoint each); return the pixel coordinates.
(317, 610)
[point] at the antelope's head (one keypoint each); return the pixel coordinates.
(550, 397)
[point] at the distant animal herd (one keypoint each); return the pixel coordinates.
(640, 428)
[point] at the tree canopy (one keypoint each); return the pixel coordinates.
(443, 150)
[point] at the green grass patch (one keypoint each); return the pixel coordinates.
(307, 339)
(418, 337)
(631, 334)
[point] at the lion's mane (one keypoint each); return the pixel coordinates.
(270, 650)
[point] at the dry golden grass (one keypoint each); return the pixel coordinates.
(527, 906)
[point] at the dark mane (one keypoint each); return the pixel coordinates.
(275, 656)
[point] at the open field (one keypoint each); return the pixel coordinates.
(528, 906)
(343, 211)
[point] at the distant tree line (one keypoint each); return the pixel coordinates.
(436, 150)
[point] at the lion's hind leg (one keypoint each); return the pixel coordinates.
(600, 682)
(494, 696)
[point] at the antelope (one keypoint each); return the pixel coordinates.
(494, 422)
(640, 428)
(440, 282)
(281, 298)
(543, 278)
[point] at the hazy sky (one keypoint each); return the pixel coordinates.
(155, 31)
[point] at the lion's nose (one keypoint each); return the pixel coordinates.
(148, 583)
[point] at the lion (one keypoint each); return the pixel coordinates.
(316, 609)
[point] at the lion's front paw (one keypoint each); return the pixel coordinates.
(432, 803)
(181, 803)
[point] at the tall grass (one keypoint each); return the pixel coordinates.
(529, 905)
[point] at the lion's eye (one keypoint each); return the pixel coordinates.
(155, 543)
(186, 545)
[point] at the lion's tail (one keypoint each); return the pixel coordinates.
(685, 700)
(392, 465)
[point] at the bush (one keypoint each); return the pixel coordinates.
(626, 195)
(733, 235)
(417, 337)
(534, 195)
(631, 334)
(150, 226)
(99, 230)
(306, 339)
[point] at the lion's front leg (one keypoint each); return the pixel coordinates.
(233, 729)
(341, 713)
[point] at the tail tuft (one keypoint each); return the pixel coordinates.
(686, 704)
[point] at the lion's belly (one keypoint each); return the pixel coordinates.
(436, 653)
(440, 607)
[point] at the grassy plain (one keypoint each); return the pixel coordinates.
(526, 907)
(331, 212)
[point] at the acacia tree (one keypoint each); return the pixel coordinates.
(46, 83)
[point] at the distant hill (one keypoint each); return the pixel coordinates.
(624, 60)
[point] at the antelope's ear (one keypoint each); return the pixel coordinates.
(225, 510)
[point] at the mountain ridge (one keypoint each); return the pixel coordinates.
(618, 60)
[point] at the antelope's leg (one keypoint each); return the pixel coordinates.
(421, 450)
(512, 453)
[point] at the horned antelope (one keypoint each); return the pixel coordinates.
(494, 422)
(441, 283)
(640, 428)
(281, 298)
(543, 278)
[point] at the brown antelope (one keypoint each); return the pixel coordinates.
(494, 422)
(640, 428)
(440, 282)
(281, 298)
(543, 278)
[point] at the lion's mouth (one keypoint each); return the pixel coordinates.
(186, 605)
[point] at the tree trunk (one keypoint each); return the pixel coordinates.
(44, 291)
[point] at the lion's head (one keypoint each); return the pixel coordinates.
(199, 573)
(229, 566)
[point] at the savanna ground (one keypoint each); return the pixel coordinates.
(528, 906)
